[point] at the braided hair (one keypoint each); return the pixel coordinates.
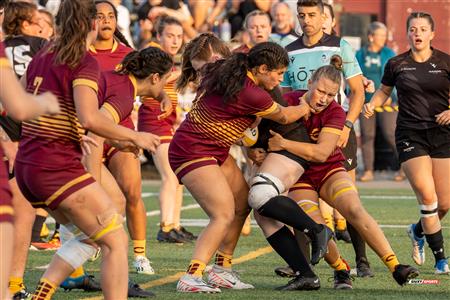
(202, 47)
(145, 62)
(227, 77)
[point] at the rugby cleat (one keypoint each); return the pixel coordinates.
(88, 283)
(135, 291)
(319, 243)
(300, 283)
(193, 284)
(285, 272)
(143, 266)
(363, 268)
(441, 267)
(22, 295)
(403, 273)
(226, 278)
(418, 246)
(342, 280)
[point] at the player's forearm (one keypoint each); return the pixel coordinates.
(356, 101)
(99, 124)
(93, 161)
(379, 98)
(310, 152)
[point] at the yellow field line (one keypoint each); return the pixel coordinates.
(172, 278)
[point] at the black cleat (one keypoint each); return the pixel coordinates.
(403, 273)
(342, 280)
(300, 283)
(187, 234)
(134, 290)
(343, 235)
(170, 237)
(363, 268)
(285, 272)
(22, 295)
(88, 283)
(319, 243)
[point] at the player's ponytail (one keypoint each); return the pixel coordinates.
(75, 19)
(332, 72)
(145, 62)
(227, 77)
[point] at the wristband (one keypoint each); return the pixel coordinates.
(348, 124)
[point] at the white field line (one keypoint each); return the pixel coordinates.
(152, 213)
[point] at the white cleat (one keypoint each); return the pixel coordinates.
(143, 266)
(226, 278)
(441, 267)
(193, 284)
(418, 246)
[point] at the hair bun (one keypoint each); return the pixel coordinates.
(336, 61)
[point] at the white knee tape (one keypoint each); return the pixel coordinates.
(75, 253)
(430, 210)
(264, 186)
(69, 231)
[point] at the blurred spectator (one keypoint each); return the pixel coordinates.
(283, 32)
(152, 9)
(372, 58)
(245, 7)
(206, 13)
(123, 21)
(47, 24)
(257, 26)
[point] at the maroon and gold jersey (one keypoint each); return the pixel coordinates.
(54, 140)
(109, 59)
(116, 94)
(151, 109)
(211, 127)
(331, 119)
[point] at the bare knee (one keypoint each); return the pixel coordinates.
(224, 217)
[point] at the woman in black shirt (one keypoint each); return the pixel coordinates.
(421, 76)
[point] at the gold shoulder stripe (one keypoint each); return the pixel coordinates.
(4, 62)
(268, 111)
(90, 83)
(112, 111)
(6, 210)
(331, 130)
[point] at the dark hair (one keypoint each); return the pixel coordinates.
(3, 3)
(310, 3)
(227, 77)
(145, 62)
(333, 71)
(201, 47)
(164, 21)
(74, 21)
(423, 15)
(15, 14)
(117, 32)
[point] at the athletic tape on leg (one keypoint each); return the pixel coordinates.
(429, 210)
(264, 186)
(75, 253)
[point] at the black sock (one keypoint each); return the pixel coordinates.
(359, 245)
(418, 230)
(303, 243)
(436, 243)
(284, 243)
(57, 225)
(285, 210)
(37, 228)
